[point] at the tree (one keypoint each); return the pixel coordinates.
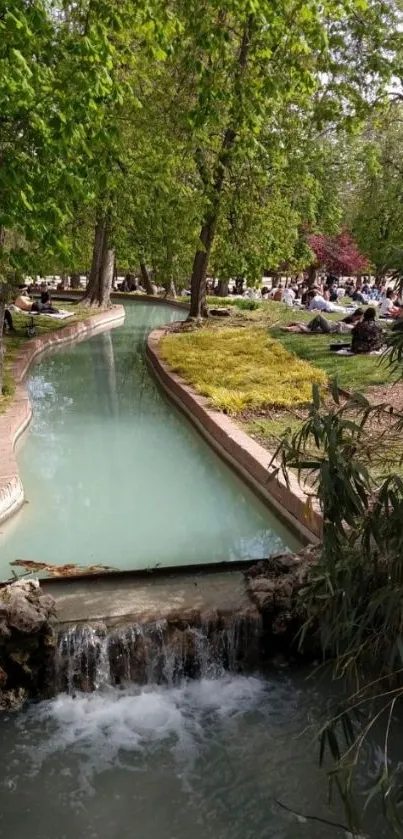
(248, 66)
(374, 202)
(337, 254)
(121, 162)
(54, 78)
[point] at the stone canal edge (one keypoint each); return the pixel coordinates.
(18, 415)
(247, 457)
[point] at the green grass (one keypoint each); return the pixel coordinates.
(352, 372)
(269, 431)
(240, 369)
(13, 342)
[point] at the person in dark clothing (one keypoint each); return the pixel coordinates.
(44, 304)
(44, 308)
(367, 336)
(322, 324)
(358, 297)
(8, 325)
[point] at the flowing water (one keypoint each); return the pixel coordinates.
(208, 759)
(224, 756)
(113, 474)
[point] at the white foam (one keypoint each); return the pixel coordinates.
(111, 727)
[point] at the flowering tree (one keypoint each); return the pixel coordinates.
(337, 254)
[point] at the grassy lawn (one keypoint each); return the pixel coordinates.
(240, 369)
(352, 373)
(14, 341)
(249, 368)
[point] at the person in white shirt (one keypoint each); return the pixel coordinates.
(387, 308)
(317, 301)
(288, 296)
(252, 293)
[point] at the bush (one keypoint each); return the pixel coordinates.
(241, 369)
(249, 305)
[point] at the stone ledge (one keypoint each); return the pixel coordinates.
(135, 297)
(247, 457)
(17, 417)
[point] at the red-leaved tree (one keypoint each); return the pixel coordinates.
(337, 254)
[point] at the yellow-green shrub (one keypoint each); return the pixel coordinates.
(241, 369)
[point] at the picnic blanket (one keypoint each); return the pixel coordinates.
(345, 351)
(60, 315)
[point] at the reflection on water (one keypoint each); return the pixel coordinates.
(115, 475)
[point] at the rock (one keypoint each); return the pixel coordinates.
(13, 700)
(262, 584)
(274, 585)
(26, 642)
(24, 608)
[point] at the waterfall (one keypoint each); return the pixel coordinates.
(91, 658)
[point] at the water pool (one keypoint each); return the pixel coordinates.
(114, 474)
(207, 759)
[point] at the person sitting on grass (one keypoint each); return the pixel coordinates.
(325, 326)
(367, 335)
(24, 302)
(8, 325)
(389, 307)
(45, 302)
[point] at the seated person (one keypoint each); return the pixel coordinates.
(45, 303)
(24, 302)
(276, 293)
(322, 324)
(288, 296)
(367, 335)
(388, 307)
(8, 325)
(358, 296)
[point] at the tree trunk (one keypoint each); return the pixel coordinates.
(3, 295)
(115, 276)
(99, 286)
(106, 278)
(198, 306)
(75, 281)
(147, 283)
(2, 310)
(222, 289)
(239, 285)
(311, 276)
(170, 290)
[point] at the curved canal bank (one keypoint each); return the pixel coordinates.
(114, 475)
(249, 459)
(17, 417)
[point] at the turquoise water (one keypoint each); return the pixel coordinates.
(114, 474)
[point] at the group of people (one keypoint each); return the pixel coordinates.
(330, 292)
(43, 305)
(23, 302)
(366, 333)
